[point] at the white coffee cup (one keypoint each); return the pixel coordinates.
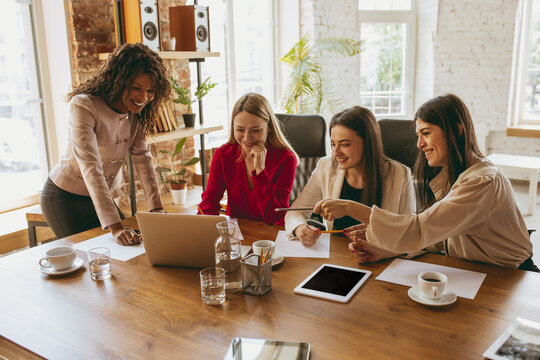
(432, 284)
(262, 246)
(169, 45)
(59, 258)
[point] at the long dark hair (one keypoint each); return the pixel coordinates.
(125, 63)
(450, 114)
(364, 124)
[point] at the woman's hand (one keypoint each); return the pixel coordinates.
(307, 234)
(123, 235)
(331, 209)
(356, 232)
(258, 156)
(365, 252)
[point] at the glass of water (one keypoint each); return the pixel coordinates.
(99, 261)
(213, 285)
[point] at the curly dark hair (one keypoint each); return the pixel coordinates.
(125, 63)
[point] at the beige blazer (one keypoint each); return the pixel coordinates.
(476, 219)
(326, 182)
(99, 140)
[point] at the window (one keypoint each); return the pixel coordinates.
(23, 160)
(525, 87)
(388, 30)
(243, 32)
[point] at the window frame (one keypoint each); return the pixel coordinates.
(517, 125)
(409, 18)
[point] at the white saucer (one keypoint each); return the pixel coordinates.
(447, 298)
(50, 271)
(277, 260)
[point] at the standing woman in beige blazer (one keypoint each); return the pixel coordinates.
(357, 171)
(110, 115)
(468, 205)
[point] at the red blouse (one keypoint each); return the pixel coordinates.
(271, 188)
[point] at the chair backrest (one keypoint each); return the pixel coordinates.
(399, 140)
(307, 135)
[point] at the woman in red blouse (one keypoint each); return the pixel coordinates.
(256, 166)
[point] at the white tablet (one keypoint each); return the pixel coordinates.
(333, 282)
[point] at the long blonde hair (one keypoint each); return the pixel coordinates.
(257, 105)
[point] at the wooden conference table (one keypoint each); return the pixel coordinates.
(151, 312)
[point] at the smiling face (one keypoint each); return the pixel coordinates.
(249, 130)
(139, 92)
(432, 141)
(347, 147)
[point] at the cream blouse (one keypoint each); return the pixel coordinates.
(476, 219)
(326, 182)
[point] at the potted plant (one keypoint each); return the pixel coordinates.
(307, 91)
(175, 174)
(184, 97)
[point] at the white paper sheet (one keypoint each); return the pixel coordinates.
(244, 250)
(294, 248)
(118, 252)
(464, 283)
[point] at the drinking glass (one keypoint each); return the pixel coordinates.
(213, 285)
(99, 262)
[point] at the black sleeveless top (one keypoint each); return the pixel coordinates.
(348, 193)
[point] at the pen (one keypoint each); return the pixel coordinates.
(198, 207)
(331, 231)
(293, 209)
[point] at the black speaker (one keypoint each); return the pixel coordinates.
(191, 27)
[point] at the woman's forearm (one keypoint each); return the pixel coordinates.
(359, 212)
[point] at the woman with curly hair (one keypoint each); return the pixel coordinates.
(110, 114)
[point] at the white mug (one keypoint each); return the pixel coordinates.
(59, 258)
(432, 284)
(262, 246)
(169, 45)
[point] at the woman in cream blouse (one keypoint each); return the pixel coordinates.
(110, 114)
(468, 205)
(356, 171)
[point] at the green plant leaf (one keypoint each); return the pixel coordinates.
(162, 169)
(307, 91)
(202, 89)
(181, 172)
(179, 146)
(164, 151)
(189, 162)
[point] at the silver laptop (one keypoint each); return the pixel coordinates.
(179, 240)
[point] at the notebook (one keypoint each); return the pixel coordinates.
(179, 240)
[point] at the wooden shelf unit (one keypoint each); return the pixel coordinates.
(175, 55)
(182, 132)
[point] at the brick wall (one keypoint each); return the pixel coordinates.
(91, 29)
(426, 30)
(327, 19)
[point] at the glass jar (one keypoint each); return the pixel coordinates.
(228, 250)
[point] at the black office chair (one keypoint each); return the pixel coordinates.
(399, 140)
(307, 135)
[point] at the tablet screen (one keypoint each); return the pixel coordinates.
(258, 349)
(334, 280)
